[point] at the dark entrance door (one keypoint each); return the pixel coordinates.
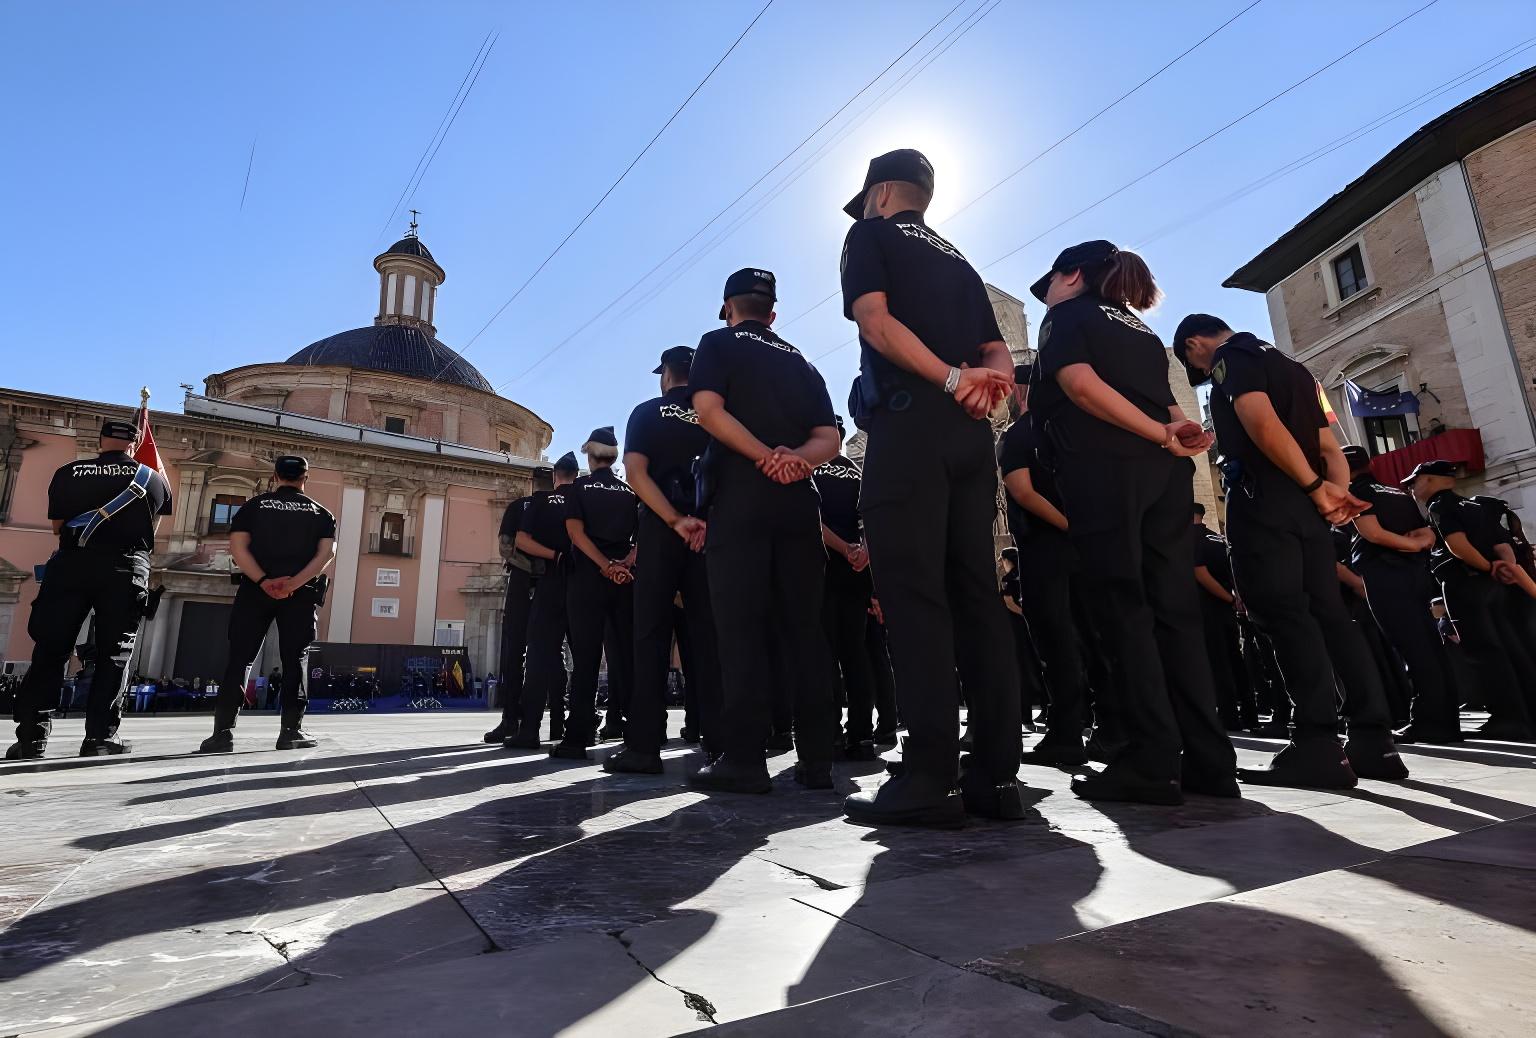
(202, 640)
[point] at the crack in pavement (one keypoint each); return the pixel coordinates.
(824, 884)
(697, 1004)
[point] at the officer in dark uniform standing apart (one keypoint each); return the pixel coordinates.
(600, 518)
(1473, 561)
(514, 617)
(845, 603)
(662, 442)
(542, 535)
(768, 411)
(1048, 572)
(1286, 481)
(1120, 447)
(101, 567)
(282, 542)
(1223, 640)
(1390, 551)
(933, 365)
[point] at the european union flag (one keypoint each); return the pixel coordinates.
(1368, 403)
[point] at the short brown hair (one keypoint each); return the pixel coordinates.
(753, 306)
(1127, 279)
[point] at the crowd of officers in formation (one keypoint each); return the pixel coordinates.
(800, 588)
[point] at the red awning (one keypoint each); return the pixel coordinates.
(1464, 446)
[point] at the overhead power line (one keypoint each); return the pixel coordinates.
(617, 181)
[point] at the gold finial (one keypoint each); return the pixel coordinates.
(411, 232)
(144, 396)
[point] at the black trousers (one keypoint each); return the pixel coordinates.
(1399, 592)
(845, 611)
(1047, 568)
(1490, 644)
(516, 608)
(766, 574)
(664, 568)
(878, 651)
(929, 499)
(1223, 647)
(1263, 674)
(598, 610)
(544, 680)
(253, 614)
(1130, 524)
(1283, 563)
(1394, 676)
(81, 581)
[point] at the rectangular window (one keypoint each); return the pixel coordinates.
(1349, 272)
(394, 425)
(222, 512)
(504, 446)
(1386, 433)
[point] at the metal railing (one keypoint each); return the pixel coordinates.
(405, 547)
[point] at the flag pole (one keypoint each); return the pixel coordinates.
(144, 397)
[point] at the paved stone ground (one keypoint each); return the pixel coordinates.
(402, 878)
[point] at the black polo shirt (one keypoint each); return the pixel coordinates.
(667, 431)
(84, 486)
(286, 529)
(1450, 513)
(838, 484)
(1122, 351)
(606, 505)
(512, 521)
(544, 519)
(929, 287)
(1211, 552)
(1019, 448)
(768, 386)
(1396, 511)
(1247, 364)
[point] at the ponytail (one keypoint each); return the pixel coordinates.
(1125, 278)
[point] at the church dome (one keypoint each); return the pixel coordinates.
(399, 349)
(410, 245)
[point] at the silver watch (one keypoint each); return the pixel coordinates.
(952, 381)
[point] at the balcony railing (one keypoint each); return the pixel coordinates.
(403, 546)
(206, 527)
(1464, 446)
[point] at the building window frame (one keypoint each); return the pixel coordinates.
(402, 420)
(1365, 368)
(220, 522)
(1328, 272)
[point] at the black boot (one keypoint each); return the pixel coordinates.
(779, 742)
(569, 749)
(857, 749)
(111, 746)
(294, 738)
(221, 741)
(1316, 762)
(910, 798)
(728, 776)
(502, 732)
(1057, 753)
(1373, 755)
(1195, 780)
(1004, 802)
(690, 736)
(611, 732)
(28, 749)
(814, 776)
(626, 761)
(1503, 731)
(522, 739)
(885, 737)
(1119, 783)
(1103, 747)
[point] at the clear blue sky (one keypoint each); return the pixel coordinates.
(128, 258)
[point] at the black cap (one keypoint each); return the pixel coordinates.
(1356, 455)
(750, 281)
(567, 463)
(119, 430)
(837, 420)
(290, 466)
(1022, 373)
(907, 165)
(1192, 325)
(1439, 467)
(1088, 254)
(604, 435)
(678, 358)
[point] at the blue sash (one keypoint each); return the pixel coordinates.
(87, 523)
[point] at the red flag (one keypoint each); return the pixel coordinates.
(147, 453)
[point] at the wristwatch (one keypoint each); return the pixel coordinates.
(952, 381)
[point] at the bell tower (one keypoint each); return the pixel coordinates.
(408, 280)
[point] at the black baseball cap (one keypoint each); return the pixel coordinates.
(750, 281)
(290, 466)
(113, 429)
(678, 358)
(1438, 467)
(567, 463)
(907, 165)
(1022, 373)
(1195, 324)
(1356, 455)
(1087, 254)
(604, 435)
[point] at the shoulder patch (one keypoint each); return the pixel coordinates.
(1219, 372)
(1045, 334)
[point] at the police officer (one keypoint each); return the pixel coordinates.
(845, 602)
(1390, 552)
(768, 411)
(542, 535)
(1286, 481)
(514, 618)
(1049, 570)
(1121, 448)
(282, 542)
(662, 442)
(1472, 560)
(1223, 640)
(600, 519)
(104, 510)
(933, 365)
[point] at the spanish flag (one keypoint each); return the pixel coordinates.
(147, 453)
(1322, 398)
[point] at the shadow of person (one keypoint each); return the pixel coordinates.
(289, 762)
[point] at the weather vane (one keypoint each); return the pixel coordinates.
(412, 232)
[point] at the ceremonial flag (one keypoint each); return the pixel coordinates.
(147, 453)
(1369, 403)
(458, 675)
(1328, 411)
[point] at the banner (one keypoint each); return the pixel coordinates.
(1368, 403)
